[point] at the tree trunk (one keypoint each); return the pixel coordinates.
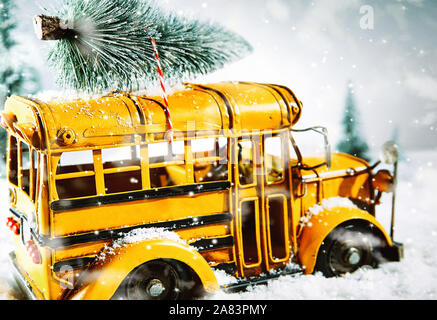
(49, 28)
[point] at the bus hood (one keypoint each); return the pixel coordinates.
(341, 164)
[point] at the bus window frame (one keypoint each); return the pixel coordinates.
(55, 160)
(254, 162)
(14, 163)
(212, 160)
(282, 158)
(328, 157)
(284, 226)
(102, 173)
(186, 161)
(166, 162)
(145, 166)
(20, 167)
(34, 173)
(18, 163)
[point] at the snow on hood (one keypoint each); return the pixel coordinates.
(326, 204)
(332, 203)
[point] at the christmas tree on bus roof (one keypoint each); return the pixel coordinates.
(106, 44)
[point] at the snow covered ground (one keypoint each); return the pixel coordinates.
(413, 278)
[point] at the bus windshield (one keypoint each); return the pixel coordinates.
(310, 146)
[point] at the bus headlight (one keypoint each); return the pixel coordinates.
(383, 181)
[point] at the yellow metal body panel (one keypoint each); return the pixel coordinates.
(119, 215)
(108, 275)
(348, 177)
(319, 226)
(36, 275)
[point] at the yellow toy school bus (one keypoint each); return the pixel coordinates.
(103, 206)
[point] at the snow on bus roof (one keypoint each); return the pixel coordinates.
(115, 118)
(65, 96)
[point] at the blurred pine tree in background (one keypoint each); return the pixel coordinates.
(352, 142)
(15, 76)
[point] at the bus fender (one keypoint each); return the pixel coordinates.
(111, 267)
(320, 225)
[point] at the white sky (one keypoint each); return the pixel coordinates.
(315, 48)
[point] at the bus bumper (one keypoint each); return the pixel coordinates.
(20, 279)
(394, 253)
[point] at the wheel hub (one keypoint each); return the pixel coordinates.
(155, 288)
(352, 256)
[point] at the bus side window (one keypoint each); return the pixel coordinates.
(246, 162)
(165, 158)
(75, 176)
(122, 169)
(273, 159)
(35, 174)
(75, 161)
(13, 160)
(210, 159)
(25, 168)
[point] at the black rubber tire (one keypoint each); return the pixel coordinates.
(346, 249)
(158, 280)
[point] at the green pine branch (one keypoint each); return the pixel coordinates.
(108, 46)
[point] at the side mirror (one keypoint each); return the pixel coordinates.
(390, 153)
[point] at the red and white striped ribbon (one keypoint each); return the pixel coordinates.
(164, 92)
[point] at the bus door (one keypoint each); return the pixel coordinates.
(277, 202)
(262, 204)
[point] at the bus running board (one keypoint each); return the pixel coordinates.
(260, 280)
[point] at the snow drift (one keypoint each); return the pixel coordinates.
(414, 278)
